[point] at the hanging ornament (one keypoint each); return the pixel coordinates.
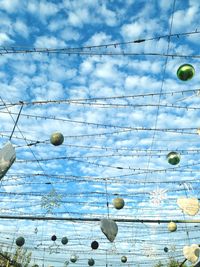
(157, 196)
(94, 245)
(91, 262)
(73, 258)
(166, 249)
(191, 253)
(53, 238)
(185, 72)
(51, 201)
(56, 139)
(7, 158)
(109, 228)
(189, 206)
(20, 241)
(118, 203)
(64, 240)
(123, 259)
(172, 226)
(173, 158)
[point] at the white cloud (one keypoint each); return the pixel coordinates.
(5, 39)
(21, 28)
(49, 42)
(10, 5)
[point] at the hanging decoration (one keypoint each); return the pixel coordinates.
(64, 240)
(20, 241)
(109, 228)
(7, 158)
(94, 245)
(73, 258)
(51, 201)
(56, 139)
(189, 206)
(124, 259)
(118, 203)
(91, 262)
(54, 237)
(172, 227)
(166, 249)
(185, 72)
(173, 158)
(157, 196)
(191, 253)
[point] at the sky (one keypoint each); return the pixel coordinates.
(104, 74)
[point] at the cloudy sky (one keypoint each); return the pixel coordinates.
(102, 73)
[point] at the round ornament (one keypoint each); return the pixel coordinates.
(185, 72)
(56, 139)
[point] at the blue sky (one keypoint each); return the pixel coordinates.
(120, 116)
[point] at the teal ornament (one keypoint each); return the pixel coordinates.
(91, 262)
(64, 240)
(20, 241)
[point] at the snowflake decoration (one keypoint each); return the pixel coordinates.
(51, 201)
(157, 196)
(173, 248)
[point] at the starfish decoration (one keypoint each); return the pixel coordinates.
(51, 201)
(157, 196)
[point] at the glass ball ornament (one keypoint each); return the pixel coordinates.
(56, 139)
(64, 240)
(123, 259)
(172, 226)
(20, 241)
(185, 72)
(94, 245)
(91, 262)
(54, 237)
(73, 258)
(173, 158)
(118, 203)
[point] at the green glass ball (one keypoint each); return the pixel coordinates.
(91, 262)
(56, 139)
(118, 203)
(20, 241)
(123, 259)
(185, 72)
(173, 158)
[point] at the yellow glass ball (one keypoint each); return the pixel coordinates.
(172, 227)
(118, 203)
(56, 139)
